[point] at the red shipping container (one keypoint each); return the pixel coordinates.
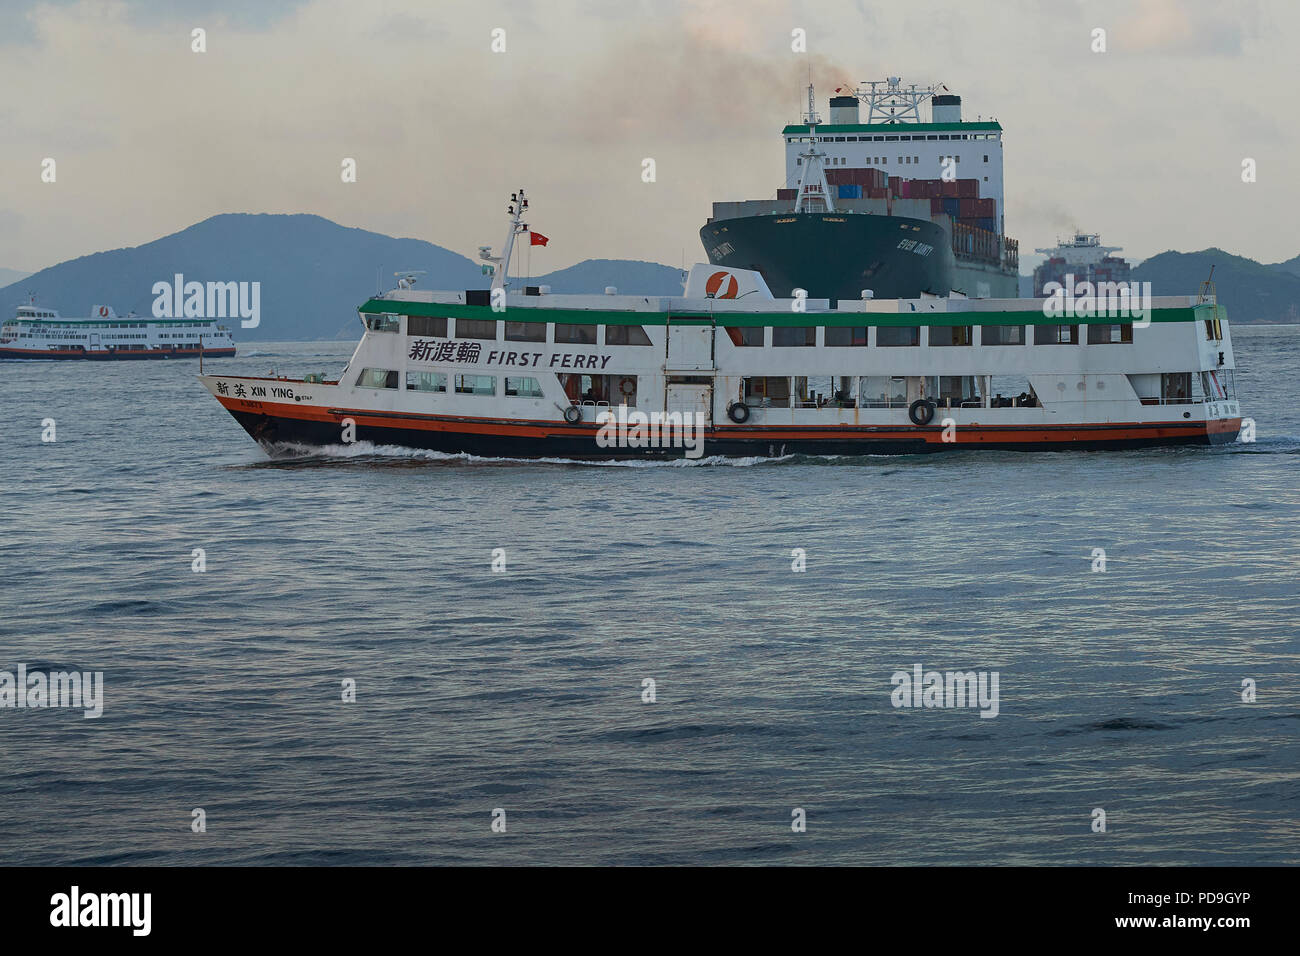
(968, 188)
(876, 192)
(835, 177)
(936, 206)
(783, 194)
(969, 208)
(948, 188)
(905, 189)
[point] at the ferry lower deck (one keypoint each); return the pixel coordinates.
(719, 371)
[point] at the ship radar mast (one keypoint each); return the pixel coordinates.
(888, 101)
(814, 194)
(501, 263)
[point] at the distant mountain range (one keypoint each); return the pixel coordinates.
(8, 276)
(314, 272)
(1250, 290)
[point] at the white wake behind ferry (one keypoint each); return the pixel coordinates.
(541, 375)
(36, 332)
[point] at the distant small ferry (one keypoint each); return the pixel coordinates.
(728, 369)
(36, 332)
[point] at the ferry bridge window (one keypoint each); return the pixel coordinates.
(426, 382)
(434, 326)
(1002, 335)
(788, 336)
(883, 391)
(476, 385)
(476, 329)
(951, 335)
(575, 334)
(626, 335)
(845, 335)
(767, 392)
(746, 335)
(377, 378)
(898, 335)
(385, 322)
(1056, 335)
(523, 387)
(525, 331)
(1110, 334)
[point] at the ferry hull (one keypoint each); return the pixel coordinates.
(77, 354)
(836, 256)
(289, 431)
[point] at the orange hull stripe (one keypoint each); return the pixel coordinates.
(965, 434)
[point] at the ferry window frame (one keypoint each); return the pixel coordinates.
(1019, 334)
(1100, 333)
(390, 378)
(1051, 335)
(578, 340)
(426, 381)
(628, 332)
(525, 331)
(429, 326)
(886, 332)
(478, 330)
(375, 322)
(535, 391)
(741, 336)
(792, 332)
(857, 336)
(463, 385)
(951, 336)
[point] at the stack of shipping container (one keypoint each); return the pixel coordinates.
(974, 221)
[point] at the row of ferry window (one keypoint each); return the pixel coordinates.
(886, 336)
(81, 336)
(890, 139)
(461, 384)
(439, 327)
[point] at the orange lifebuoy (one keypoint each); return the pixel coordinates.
(103, 310)
(627, 386)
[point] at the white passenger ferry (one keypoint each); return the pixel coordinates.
(36, 332)
(541, 375)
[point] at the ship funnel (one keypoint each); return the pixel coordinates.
(844, 110)
(946, 108)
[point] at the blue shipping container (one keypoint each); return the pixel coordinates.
(952, 205)
(987, 223)
(850, 191)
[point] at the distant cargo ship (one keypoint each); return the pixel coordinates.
(896, 206)
(36, 332)
(1084, 257)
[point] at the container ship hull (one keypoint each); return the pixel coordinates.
(836, 256)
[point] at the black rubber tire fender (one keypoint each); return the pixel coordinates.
(921, 411)
(738, 413)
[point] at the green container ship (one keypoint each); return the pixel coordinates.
(893, 207)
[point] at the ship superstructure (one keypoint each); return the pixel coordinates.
(1083, 257)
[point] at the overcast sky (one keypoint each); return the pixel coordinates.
(1143, 143)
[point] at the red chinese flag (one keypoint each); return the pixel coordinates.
(537, 239)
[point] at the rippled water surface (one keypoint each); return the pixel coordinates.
(523, 691)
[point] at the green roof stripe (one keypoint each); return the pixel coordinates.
(896, 128)
(782, 319)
